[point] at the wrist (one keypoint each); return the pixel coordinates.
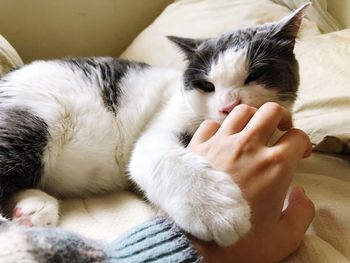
(209, 251)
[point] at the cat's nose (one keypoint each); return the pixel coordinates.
(228, 108)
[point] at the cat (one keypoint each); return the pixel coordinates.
(82, 126)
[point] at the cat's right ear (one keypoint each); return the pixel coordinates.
(289, 26)
(186, 45)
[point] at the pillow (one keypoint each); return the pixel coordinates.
(323, 106)
(8, 57)
(317, 12)
(324, 101)
(202, 18)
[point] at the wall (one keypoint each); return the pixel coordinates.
(340, 9)
(57, 28)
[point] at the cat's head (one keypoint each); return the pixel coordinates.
(252, 66)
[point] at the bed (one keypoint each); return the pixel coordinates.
(322, 110)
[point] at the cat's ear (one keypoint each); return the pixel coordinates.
(187, 45)
(289, 26)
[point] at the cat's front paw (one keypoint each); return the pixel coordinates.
(35, 208)
(214, 209)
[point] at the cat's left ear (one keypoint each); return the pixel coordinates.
(289, 26)
(187, 45)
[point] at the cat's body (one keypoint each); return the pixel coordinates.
(78, 127)
(90, 131)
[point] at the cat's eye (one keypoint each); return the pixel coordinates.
(254, 76)
(204, 85)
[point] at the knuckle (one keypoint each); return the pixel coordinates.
(301, 139)
(276, 157)
(244, 108)
(209, 124)
(243, 141)
(273, 107)
(301, 135)
(243, 144)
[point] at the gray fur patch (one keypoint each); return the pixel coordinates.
(273, 63)
(108, 72)
(23, 137)
(184, 138)
(56, 245)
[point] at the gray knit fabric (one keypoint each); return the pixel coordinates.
(158, 240)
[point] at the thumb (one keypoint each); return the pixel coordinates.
(297, 217)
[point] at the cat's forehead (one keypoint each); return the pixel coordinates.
(238, 39)
(227, 54)
(231, 48)
(231, 66)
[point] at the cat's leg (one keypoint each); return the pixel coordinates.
(33, 207)
(204, 202)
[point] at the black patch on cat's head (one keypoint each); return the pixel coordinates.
(271, 61)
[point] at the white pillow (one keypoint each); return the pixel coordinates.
(317, 12)
(323, 106)
(202, 18)
(8, 57)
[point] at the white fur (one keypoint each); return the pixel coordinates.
(228, 75)
(89, 149)
(205, 202)
(15, 247)
(36, 207)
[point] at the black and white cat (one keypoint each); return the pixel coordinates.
(83, 126)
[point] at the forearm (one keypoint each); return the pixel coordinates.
(159, 240)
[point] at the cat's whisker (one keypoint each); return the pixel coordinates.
(198, 69)
(261, 45)
(206, 62)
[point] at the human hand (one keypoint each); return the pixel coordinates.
(264, 173)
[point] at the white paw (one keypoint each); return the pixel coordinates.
(213, 209)
(35, 208)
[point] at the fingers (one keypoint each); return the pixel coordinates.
(297, 217)
(295, 142)
(266, 120)
(204, 132)
(237, 119)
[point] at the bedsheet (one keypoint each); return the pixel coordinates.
(326, 179)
